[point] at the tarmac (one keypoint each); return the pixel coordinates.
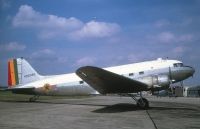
(101, 112)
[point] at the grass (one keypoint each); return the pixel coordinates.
(9, 96)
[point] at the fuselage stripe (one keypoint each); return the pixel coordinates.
(16, 72)
(12, 71)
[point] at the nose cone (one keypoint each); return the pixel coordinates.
(189, 71)
(192, 71)
(182, 73)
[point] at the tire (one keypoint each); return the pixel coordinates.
(143, 103)
(32, 99)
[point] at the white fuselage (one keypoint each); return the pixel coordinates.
(163, 71)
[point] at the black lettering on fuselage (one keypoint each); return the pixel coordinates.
(29, 75)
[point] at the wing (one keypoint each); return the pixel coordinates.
(108, 82)
(21, 90)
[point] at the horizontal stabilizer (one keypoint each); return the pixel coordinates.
(21, 90)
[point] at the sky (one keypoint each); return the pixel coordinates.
(60, 36)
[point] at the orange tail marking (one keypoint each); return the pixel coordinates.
(11, 73)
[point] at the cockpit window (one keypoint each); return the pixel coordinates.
(178, 65)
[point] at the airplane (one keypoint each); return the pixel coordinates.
(89, 80)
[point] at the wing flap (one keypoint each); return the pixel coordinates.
(108, 82)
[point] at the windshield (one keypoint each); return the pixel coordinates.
(178, 65)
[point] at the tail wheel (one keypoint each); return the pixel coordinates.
(34, 98)
(143, 103)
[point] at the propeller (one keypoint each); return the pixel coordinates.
(170, 75)
(170, 89)
(181, 82)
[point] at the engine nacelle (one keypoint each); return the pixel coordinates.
(157, 81)
(163, 80)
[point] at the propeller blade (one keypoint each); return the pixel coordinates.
(170, 75)
(181, 82)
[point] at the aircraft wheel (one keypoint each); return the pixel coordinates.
(32, 99)
(143, 103)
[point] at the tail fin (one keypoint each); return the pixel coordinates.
(20, 72)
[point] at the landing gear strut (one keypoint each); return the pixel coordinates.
(34, 98)
(141, 102)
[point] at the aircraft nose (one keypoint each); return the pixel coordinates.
(182, 73)
(191, 71)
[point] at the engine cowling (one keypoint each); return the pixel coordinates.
(157, 81)
(163, 80)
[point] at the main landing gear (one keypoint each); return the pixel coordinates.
(141, 102)
(34, 98)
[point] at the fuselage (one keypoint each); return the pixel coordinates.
(157, 74)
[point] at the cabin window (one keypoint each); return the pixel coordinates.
(81, 82)
(178, 65)
(131, 74)
(142, 72)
